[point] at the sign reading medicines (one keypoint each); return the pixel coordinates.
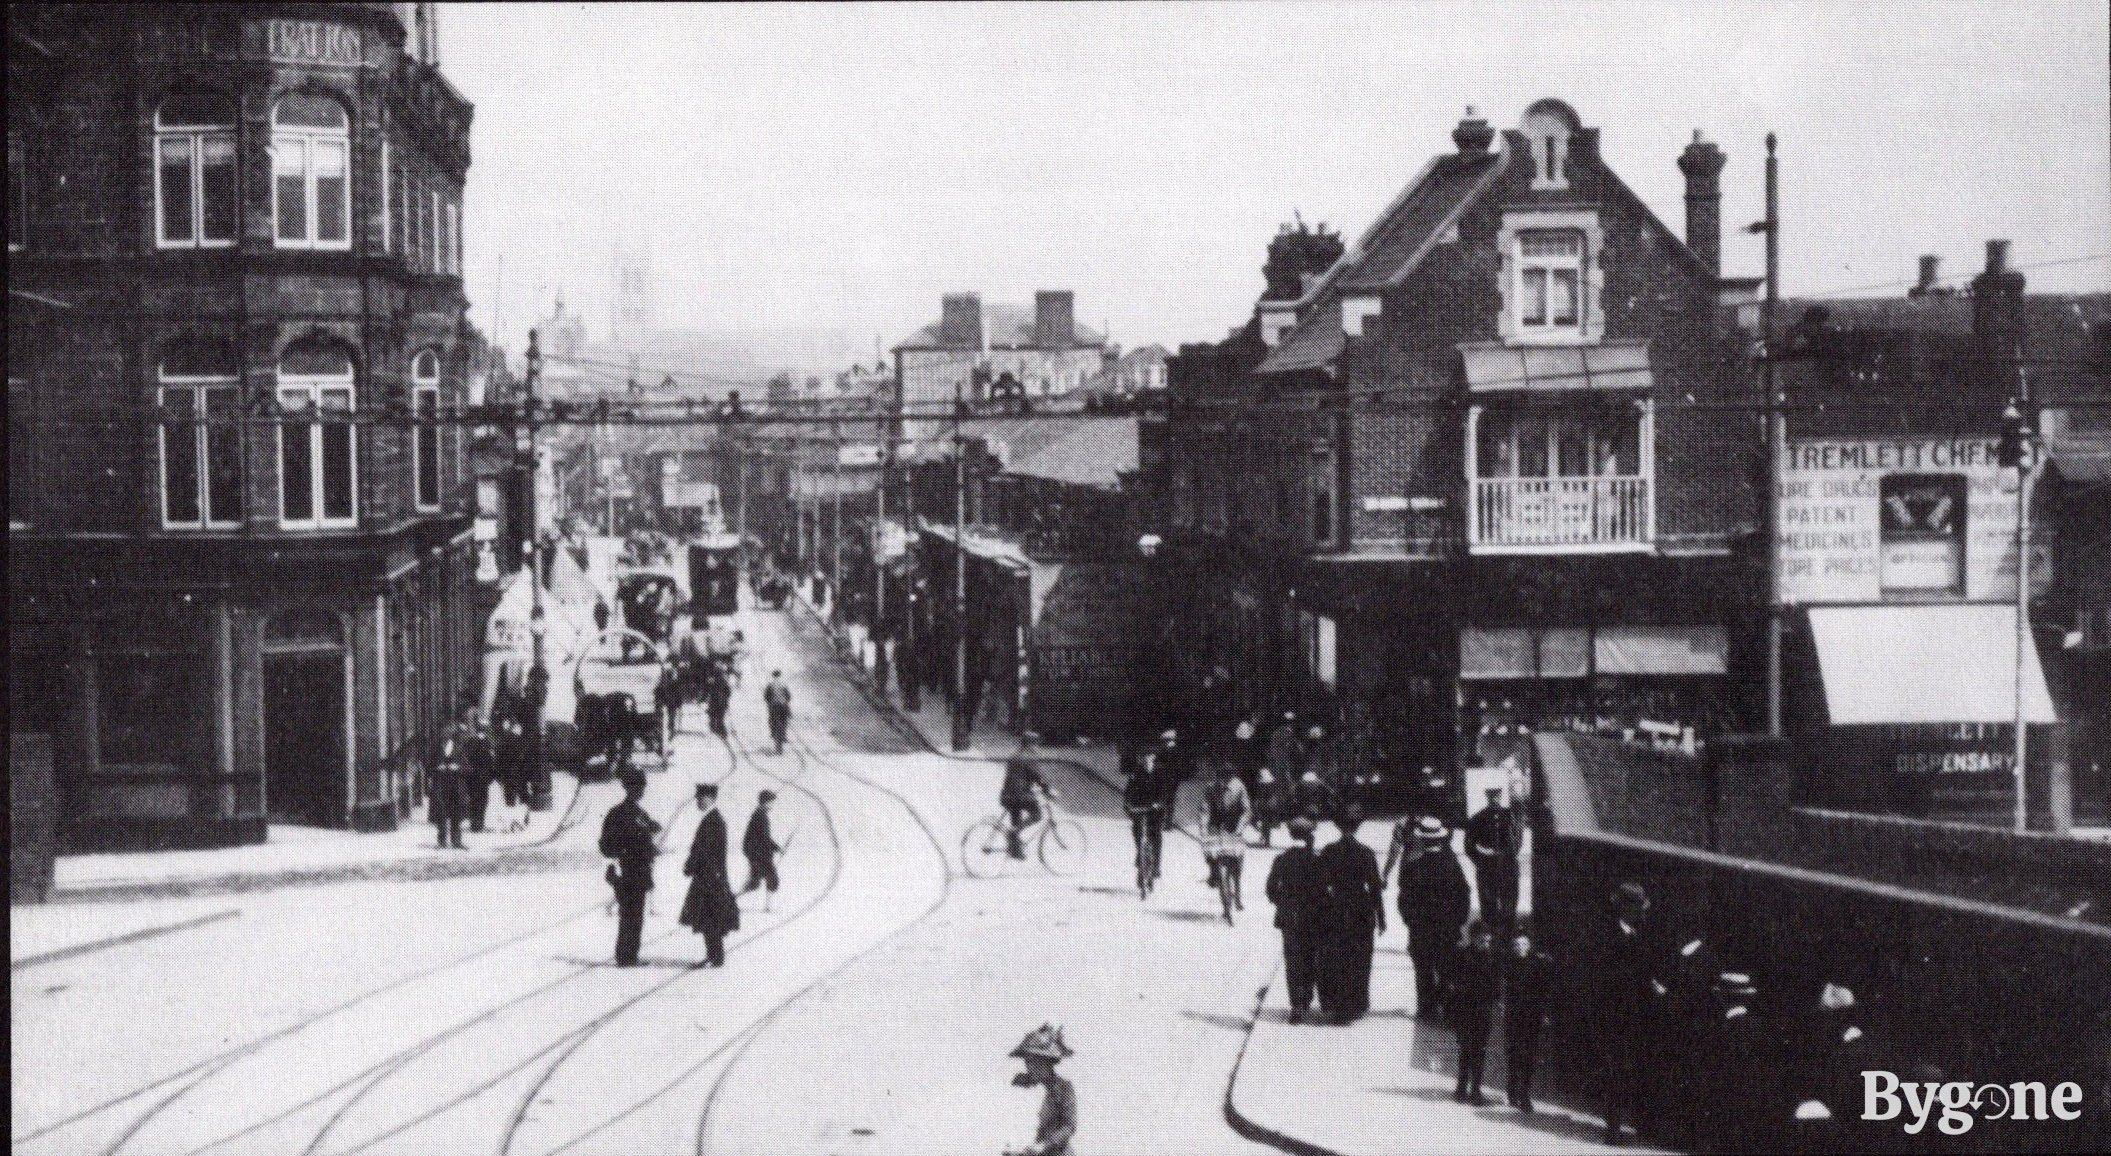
(1876, 519)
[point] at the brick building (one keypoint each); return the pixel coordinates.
(993, 352)
(1898, 544)
(1471, 473)
(239, 566)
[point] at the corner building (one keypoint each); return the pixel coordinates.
(240, 556)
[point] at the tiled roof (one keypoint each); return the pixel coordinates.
(1315, 341)
(1007, 325)
(1395, 245)
(1093, 451)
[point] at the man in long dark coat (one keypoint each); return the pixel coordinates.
(1434, 902)
(1629, 1013)
(457, 760)
(1295, 888)
(1528, 997)
(1355, 914)
(718, 696)
(777, 700)
(760, 848)
(709, 907)
(630, 837)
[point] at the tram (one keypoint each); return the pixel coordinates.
(714, 577)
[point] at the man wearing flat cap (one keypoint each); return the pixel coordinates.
(629, 836)
(709, 907)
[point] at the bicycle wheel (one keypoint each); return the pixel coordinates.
(1224, 890)
(982, 849)
(1062, 847)
(1146, 870)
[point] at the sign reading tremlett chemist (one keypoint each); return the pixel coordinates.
(1876, 519)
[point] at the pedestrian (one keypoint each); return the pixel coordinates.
(1491, 841)
(760, 849)
(1472, 1006)
(630, 837)
(1176, 764)
(479, 770)
(1321, 758)
(1268, 804)
(1295, 888)
(1736, 1110)
(667, 707)
(1528, 995)
(1311, 797)
(709, 908)
(777, 699)
(448, 796)
(509, 756)
(1434, 901)
(1629, 1013)
(1285, 756)
(1042, 1049)
(718, 697)
(1355, 913)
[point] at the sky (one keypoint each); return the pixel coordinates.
(841, 167)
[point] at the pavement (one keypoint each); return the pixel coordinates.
(1378, 1087)
(293, 854)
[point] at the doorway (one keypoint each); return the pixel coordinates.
(304, 737)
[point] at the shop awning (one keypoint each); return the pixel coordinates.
(1612, 365)
(1661, 650)
(1925, 664)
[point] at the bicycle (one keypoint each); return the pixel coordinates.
(1058, 841)
(1147, 835)
(1225, 853)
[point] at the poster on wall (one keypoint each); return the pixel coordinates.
(1876, 519)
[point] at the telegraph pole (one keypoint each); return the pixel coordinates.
(962, 725)
(1776, 439)
(538, 672)
(835, 477)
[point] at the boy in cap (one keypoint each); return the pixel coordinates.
(1041, 1050)
(1528, 995)
(1472, 1006)
(761, 849)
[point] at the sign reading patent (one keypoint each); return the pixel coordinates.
(1871, 519)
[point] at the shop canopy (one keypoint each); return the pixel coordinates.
(1611, 365)
(1925, 664)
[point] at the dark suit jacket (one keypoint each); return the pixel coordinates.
(709, 906)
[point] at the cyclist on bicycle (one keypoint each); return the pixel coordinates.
(1144, 798)
(1021, 795)
(1224, 810)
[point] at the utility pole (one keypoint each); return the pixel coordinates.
(835, 477)
(538, 673)
(962, 724)
(2017, 443)
(1776, 439)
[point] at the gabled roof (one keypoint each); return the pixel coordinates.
(1007, 325)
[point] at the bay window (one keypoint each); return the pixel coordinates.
(318, 472)
(311, 197)
(425, 433)
(195, 203)
(200, 437)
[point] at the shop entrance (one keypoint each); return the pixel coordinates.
(304, 737)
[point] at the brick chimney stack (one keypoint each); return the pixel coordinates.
(960, 322)
(1703, 162)
(1055, 319)
(1930, 283)
(1997, 305)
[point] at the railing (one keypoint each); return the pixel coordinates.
(1561, 513)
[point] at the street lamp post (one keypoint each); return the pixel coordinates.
(962, 724)
(2017, 442)
(538, 673)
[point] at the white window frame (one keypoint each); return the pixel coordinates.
(1324, 470)
(425, 409)
(193, 139)
(1590, 281)
(307, 139)
(454, 238)
(201, 386)
(437, 250)
(304, 394)
(1535, 311)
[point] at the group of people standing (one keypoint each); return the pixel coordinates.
(467, 762)
(631, 837)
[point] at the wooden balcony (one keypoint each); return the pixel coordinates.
(1561, 515)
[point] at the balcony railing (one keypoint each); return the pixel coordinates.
(1558, 514)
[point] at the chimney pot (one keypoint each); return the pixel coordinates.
(1930, 276)
(1473, 134)
(1055, 318)
(1702, 163)
(1997, 256)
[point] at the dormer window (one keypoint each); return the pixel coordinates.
(1546, 129)
(1550, 279)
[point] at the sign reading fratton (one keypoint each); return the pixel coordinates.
(1877, 519)
(314, 42)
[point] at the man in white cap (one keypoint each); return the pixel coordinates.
(1041, 1050)
(1434, 902)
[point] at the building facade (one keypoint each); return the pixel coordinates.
(240, 557)
(1003, 351)
(1478, 471)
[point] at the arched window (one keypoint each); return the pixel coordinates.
(195, 202)
(425, 435)
(318, 467)
(199, 391)
(311, 197)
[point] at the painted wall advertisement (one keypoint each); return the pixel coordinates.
(1877, 519)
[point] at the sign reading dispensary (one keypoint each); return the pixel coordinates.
(1875, 519)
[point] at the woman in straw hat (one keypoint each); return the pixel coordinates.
(1041, 1050)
